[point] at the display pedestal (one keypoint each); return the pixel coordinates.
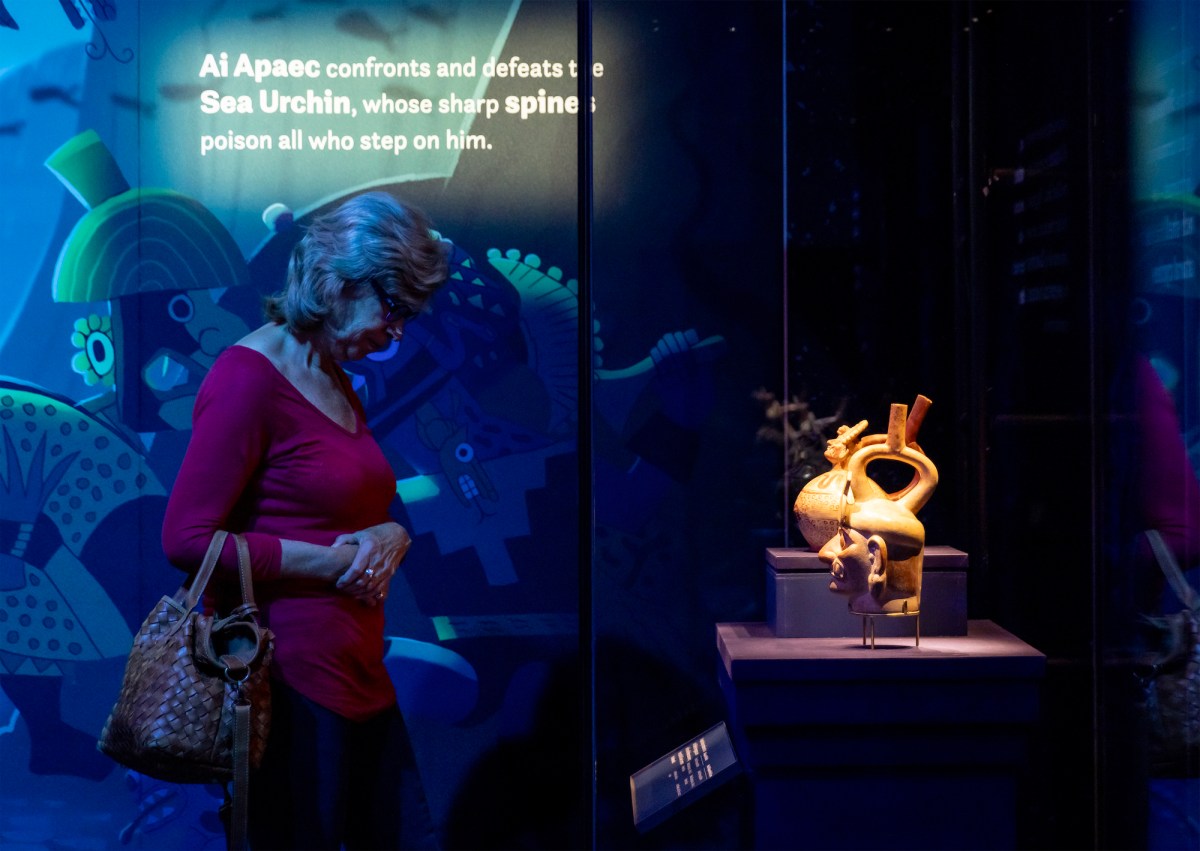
(892, 747)
(800, 604)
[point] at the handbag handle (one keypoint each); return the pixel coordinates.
(1170, 569)
(194, 592)
(247, 582)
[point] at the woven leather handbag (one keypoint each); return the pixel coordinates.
(195, 702)
(1172, 679)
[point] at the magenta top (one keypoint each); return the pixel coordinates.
(1168, 492)
(266, 462)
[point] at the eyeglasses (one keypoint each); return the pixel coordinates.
(392, 309)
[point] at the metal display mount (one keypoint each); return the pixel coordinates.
(869, 617)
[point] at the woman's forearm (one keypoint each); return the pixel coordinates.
(312, 561)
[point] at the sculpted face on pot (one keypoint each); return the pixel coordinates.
(850, 557)
(876, 557)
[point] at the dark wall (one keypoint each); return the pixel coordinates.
(871, 306)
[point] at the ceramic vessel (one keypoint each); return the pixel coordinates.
(877, 549)
(818, 505)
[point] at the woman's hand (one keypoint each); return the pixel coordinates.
(380, 550)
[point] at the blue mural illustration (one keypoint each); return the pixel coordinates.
(133, 260)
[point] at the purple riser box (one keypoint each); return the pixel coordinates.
(800, 604)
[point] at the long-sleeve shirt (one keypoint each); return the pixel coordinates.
(266, 462)
(1168, 491)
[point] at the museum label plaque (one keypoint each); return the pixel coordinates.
(682, 776)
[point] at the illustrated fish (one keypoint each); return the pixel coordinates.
(399, 91)
(363, 25)
(41, 94)
(127, 102)
(181, 91)
(432, 15)
(1185, 113)
(1144, 97)
(273, 14)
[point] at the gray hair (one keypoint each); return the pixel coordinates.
(371, 237)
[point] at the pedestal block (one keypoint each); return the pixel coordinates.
(895, 747)
(800, 604)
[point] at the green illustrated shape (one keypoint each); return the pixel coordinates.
(135, 240)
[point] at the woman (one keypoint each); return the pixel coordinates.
(280, 451)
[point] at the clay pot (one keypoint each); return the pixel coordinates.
(821, 505)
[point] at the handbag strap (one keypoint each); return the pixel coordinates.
(241, 720)
(244, 577)
(191, 596)
(236, 836)
(1170, 569)
(193, 593)
(238, 816)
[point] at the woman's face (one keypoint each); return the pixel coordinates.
(358, 327)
